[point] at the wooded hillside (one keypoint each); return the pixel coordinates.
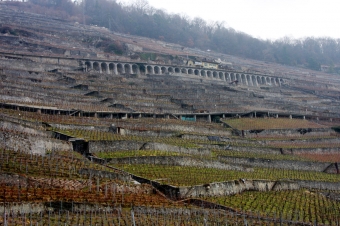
(141, 19)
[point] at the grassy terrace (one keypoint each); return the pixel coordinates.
(299, 205)
(333, 157)
(213, 155)
(188, 176)
(270, 123)
(314, 157)
(136, 153)
(271, 156)
(293, 137)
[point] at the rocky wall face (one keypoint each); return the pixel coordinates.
(279, 164)
(288, 132)
(32, 144)
(310, 150)
(319, 185)
(150, 133)
(81, 127)
(261, 150)
(179, 161)
(13, 126)
(198, 137)
(22, 208)
(17, 137)
(98, 146)
(178, 149)
(239, 186)
(197, 129)
(225, 188)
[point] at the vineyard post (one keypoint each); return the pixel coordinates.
(5, 219)
(105, 190)
(77, 217)
(30, 217)
(85, 213)
(98, 185)
(91, 216)
(59, 217)
(133, 217)
(205, 222)
(119, 211)
(90, 182)
(49, 216)
(41, 213)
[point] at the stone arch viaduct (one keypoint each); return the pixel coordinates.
(118, 68)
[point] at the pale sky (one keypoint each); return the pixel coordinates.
(266, 19)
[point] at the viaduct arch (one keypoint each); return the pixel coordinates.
(118, 68)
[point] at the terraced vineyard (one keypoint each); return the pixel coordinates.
(188, 176)
(325, 157)
(135, 153)
(57, 175)
(301, 205)
(271, 156)
(83, 145)
(270, 123)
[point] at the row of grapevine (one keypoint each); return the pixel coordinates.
(186, 175)
(300, 205)
(91, 214)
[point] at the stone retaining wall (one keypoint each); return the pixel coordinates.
(99, 146)
(124, 145)
(335, 186)
(310, 150)
(22, 208)
(22, 127)
(34, 145)
(239, 186)
(279, 164)
(178, 161)
(235, 187)
(81, 127)
(286, 132)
